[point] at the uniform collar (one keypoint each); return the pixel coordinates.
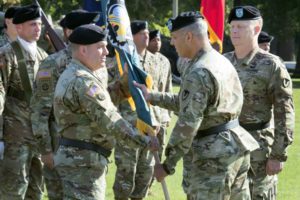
(246, 61)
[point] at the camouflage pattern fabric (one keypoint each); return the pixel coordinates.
(4, 39)
(22, 167)
(139, 163)
(219, 161)
(165, 85)
(43, 125)
(84, 111)
(266, 85)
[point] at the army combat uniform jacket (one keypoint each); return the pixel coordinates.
(14, 106)
(84, 111)
(210, 94)
(266, 84)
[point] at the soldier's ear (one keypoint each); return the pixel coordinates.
(257, 29)
(82, 50)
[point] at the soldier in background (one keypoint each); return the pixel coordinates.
(9, 31)
(88, 121)
(135, 166)
(266, 85)
(43, 123)
(207, 125)
(22, 166)
(165, 84)
(264, 41)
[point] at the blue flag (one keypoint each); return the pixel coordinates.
(93, 6)
(119, 33)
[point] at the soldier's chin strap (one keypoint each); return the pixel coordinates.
(163, 182)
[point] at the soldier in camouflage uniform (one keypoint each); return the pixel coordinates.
(22, 166)
(266, 84)
(209, 103)
(165, 84)
(88, 121)
(43, 124)
(9, 32)
(135, 166)
(264, 41)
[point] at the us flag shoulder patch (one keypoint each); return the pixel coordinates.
(93, 91)
(44, 74)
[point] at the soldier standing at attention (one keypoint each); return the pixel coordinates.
(88, 121)
(135, 166)
(165, 84)
(22, 166)
(207, 117)
(266, 85)
(9, 32)
(264, 41)
(43, 123)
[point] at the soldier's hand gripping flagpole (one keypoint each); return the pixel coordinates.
(163, 182)
(117, 22)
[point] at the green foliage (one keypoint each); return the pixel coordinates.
(57, 8)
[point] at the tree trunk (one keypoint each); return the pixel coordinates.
(296, 73)
(286, 48)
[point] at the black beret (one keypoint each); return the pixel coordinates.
(138, 25)
(244, 13)
(264, 37)
(27, 13)
(183, 19)
(11, 11)
(153, 34)
(87, 34)
(62, 22)
(80, 17)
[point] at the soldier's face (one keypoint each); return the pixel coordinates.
(178, 41)
(265, 46)
(30, 30)
(242, 33)
(141, 39)
(154, 45)
(95, 55)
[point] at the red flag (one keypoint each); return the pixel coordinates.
(214, 13)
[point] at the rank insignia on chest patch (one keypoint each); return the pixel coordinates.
(185, 94)
(44, 74)
(93, 91)
(45, 86)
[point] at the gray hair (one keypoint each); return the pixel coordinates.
(199, 28)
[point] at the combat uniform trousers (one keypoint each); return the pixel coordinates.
(161, 136)
(53, 184)
(219, 169)
(134, 173)
(262, 186)
(81, 180)
(22, 165)
(51, 177)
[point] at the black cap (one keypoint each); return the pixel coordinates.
(27, 13)
(244, 13)
(138, 25)
(11, 11)
(264, 37)
(183, 19)
(80, 17)
(87, 34)
(62, 22)
(153, 34)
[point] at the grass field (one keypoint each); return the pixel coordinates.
(289, 178)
